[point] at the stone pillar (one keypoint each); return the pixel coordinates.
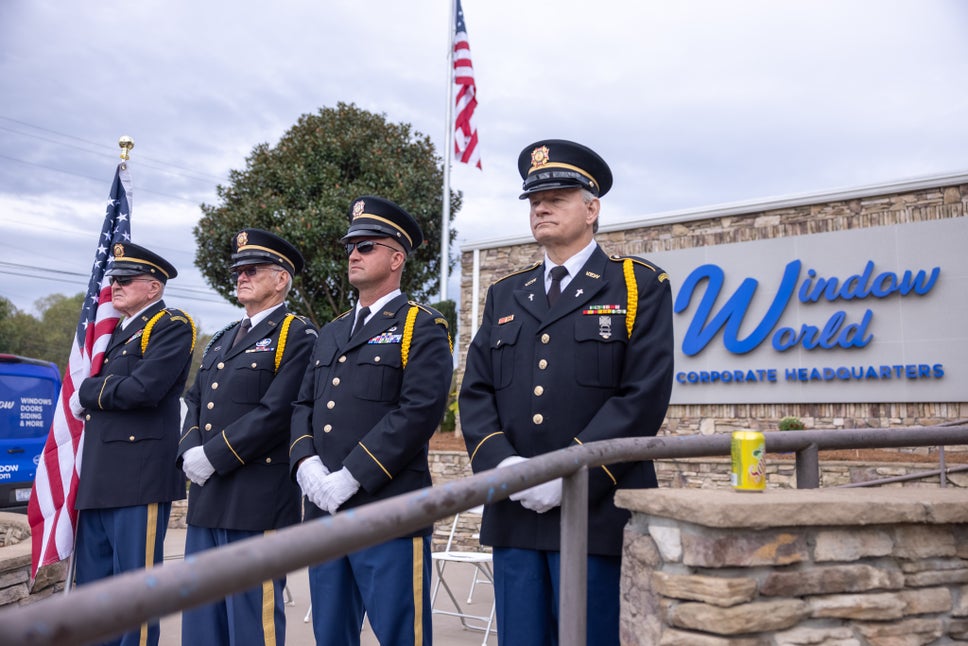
(825, 566)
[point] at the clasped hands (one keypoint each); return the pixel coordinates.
(541, 498)
(197, 466)
(324, 489)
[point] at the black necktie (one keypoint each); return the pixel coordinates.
(243, 330)
(360, 318)
(557, 273)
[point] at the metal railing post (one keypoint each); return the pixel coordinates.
(573, 576)
(808, 467)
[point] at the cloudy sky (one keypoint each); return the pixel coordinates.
(692, 103)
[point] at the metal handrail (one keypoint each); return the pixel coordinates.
(105, 608)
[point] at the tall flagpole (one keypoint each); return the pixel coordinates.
(448, 155)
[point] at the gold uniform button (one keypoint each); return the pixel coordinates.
(539, 390)
(124, 352)
(131, 438)
(106, 360)
(317, 362)
(220, 365)
(327, 428)
(88, 417)
(215, 386)
(210, 405)
(537, 419)
(542, 364)
(336, 381)
(268, 460)
(545, 338)
(331, 404)
(254, 364)
(342, 359)
(208, 427)
(377, 358)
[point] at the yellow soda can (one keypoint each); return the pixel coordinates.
(748, 450)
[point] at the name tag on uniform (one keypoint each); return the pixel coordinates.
(386, 337)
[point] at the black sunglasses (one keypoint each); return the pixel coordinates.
(366, 246)
(124, 281)
(250, 271)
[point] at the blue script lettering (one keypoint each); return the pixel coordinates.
(730, 317)
(707, 323)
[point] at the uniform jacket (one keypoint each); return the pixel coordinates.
(539, 379)
(360, 408)
(132, 414)
(239, 408)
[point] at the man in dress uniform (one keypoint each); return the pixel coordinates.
(575, 349)
(235, 439)
(131, 413)
(374, 393)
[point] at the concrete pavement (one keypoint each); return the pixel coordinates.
(447, 630)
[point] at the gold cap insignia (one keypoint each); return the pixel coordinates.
(539, 157)
(241, 239)
(358, 208)
(119, 250)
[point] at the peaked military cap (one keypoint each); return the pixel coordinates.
(134, 260)
(558, 163)
(377, 217)
(258, 247)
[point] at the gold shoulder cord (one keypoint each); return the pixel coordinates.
(408, 334)
(155, 319)
(283, 335)
(633, 295)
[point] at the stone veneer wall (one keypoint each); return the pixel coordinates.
(937, 203)
(15, 565)
(795, 567)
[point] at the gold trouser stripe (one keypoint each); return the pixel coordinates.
(269, 609)
(151, 535)
(417, 590)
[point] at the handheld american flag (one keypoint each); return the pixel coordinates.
(465, 102)
(51, 510)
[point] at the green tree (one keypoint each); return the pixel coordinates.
(302, 189)
(47, 338)
(59, 324)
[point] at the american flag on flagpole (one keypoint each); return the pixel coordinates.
(51, 510)
(465, 102)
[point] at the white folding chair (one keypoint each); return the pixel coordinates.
(481, 561)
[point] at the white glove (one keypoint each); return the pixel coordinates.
(338, 488)
(541, 498)
(309, 475)
(75, 404)
(196, 466)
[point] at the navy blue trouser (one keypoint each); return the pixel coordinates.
(526, 586)
(116, 540)
(253, 617)
(389, 582)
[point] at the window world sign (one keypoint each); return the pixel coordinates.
(864, 315)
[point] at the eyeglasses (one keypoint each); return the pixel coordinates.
(366, 246)
(251, 271)
(124, 281)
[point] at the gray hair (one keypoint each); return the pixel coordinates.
(587, 197)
